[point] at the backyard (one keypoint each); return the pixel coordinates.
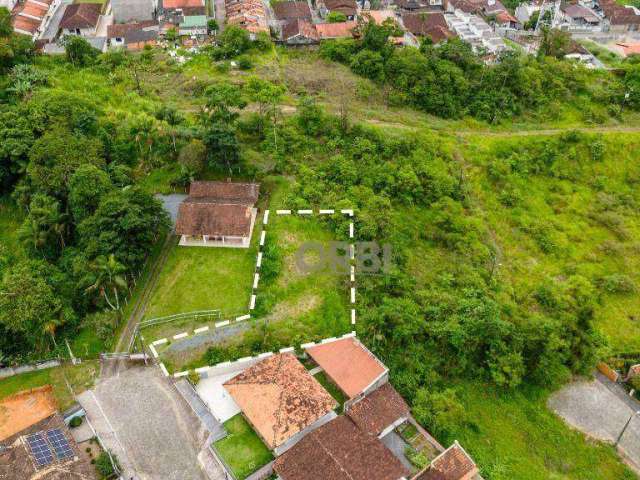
(242, 449)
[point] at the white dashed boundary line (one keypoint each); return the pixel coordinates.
(256, 277)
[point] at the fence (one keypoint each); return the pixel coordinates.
(11, 371)
(208, 314)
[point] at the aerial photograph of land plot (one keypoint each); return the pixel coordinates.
(319, 240)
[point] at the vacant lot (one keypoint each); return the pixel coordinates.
(80, 377)
(243, 450)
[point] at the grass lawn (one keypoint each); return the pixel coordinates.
(80, 377)
(514, 435)
(242, 449)
(331, 387)
(202, 278)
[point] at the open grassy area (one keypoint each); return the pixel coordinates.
(513, 435)
(242, 449)
(80, 377)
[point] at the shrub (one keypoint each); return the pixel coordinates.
(75, 423)
(244, 63)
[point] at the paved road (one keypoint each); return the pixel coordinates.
(600, 411)
(144, 421)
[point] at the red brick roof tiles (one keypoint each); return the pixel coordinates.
(452, 464)
(339, 451)
(378, 410)
(348, 363)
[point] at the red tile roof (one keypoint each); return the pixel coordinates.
(81, 15)
(35, 9)
(339, 451)
(217, 209)
(336, 30)
(289, 10)
(299, 27)
(119, 30)
(431, 25)
(348, 363)
(25, 24)
(452, 464)
(279, 398)
(378, 410)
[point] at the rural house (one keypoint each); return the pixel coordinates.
(218, 214)
(281, 400)
(30, 17)
(247, 14)
(452, 464)
(339, 450)
(129, 35)
(348, 7)
(299, 32)
(328, 31)
(292, 10)
(81, 19)
(431, 25)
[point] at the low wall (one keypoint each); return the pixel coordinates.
(11, 371)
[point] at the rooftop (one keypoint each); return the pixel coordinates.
(348, 363)
(291, 10)
(171, 4)
(336, 30)
(378, 410)
(452, 464)
(23, 409)
(81, 15)
(339, 451)
(279, 398)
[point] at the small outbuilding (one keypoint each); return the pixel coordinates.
(218, 214)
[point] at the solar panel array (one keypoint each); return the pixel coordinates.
(48, 447)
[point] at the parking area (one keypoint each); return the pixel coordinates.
(144, 421)
(599, 410)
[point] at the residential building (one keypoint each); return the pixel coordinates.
(183, 7)
(30, 17)
(193, 26)
(506, 21)
(292, 11)
(452, 464)
(339, 450)
(81, 19)
(475, 31)
(248, 14)
(578, 17)
(431, 25)
(329, 31)
(525, 11)
(299, 32)
(420, 5)
(347, 7)
(129, 11)
(218, 214)
(281, 400)
(133, 36)
(350, 366)
(620, 18)
(380, 412)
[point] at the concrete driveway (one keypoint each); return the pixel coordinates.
(600, 409)
(144, 421)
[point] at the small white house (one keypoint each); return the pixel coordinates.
(81, 19)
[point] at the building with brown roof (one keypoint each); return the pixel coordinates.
(128, 34)
(347, 7)
(432, 25)
(379, 412)
(28, 17)
(339, 451)
(218, 214)
(421, 5)
(292, 10)
(299, 32)
(350, 365)
(620, 18)
(281, 400)
(452, 464)
(81, 19)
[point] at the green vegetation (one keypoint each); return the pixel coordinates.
(242, 449)
(80, 377)
(515, 260)
(331, 387)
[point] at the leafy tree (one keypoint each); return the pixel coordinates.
(222, 99)
(14, 48)
(222, 145)
(30, 309)
(336, 17)
(25, 78)
(233, 41)
(109, 278)
(554, 43)
(79, 51)
(6, 29)
(87, 186)
(45, 228)
(370, 64)
(212, 26)
(441, 412)
(16, 139)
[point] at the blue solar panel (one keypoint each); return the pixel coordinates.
(40, 449)
(60, 444)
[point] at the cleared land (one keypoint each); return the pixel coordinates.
(242, 449)
(80, 377)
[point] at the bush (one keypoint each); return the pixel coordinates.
(104, 466)
(75, 422)
(244, 63)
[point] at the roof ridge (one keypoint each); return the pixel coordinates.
(328, 452)
(277, 424)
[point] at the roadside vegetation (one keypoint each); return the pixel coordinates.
(515, 258)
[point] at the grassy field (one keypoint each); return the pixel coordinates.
(242, 449)
(80, 377)
(515, 436)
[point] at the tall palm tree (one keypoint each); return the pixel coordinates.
(32, 234)
(109, 278)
